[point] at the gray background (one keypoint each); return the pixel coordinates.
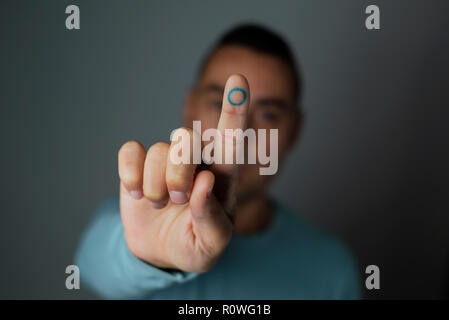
(372, 164)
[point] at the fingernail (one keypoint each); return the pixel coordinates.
(157, 205)
(136, 194)
(178, 197)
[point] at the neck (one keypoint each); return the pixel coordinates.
(254, 215)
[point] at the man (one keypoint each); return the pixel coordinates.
(189, 231)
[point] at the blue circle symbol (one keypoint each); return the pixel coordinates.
(238, 103)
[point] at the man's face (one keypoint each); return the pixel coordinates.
(272, 102)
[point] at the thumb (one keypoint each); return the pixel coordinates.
(210, 223)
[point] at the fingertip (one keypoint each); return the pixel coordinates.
(237, 79)
(236, 91)
(202, 190)
(131, 157)
(235, 104)
(132, 146)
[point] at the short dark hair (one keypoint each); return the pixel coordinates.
(262, 40)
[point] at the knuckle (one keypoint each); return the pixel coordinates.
(130, 177)
(154, 195)
(177, 181)
(179, 174)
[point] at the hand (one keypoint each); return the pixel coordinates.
(173, 215)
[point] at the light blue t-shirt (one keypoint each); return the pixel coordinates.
(291, 259)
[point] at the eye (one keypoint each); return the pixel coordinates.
(269, 116)
(215, 104)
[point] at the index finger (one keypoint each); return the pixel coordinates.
(234, 113)
(234, 110)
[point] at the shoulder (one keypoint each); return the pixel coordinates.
(325, 253)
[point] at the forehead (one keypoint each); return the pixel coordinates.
(268, 76)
